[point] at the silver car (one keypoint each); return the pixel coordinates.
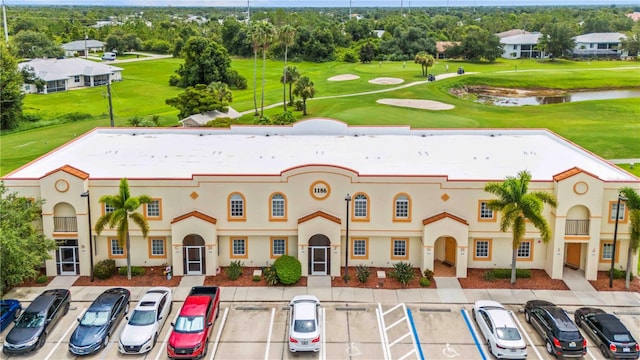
(304, 325)
(499, 329)
(143, 326)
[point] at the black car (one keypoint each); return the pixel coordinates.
(99, 322)
(32, 327)
(561, 336)
(608, 333)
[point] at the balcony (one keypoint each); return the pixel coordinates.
(576, 227)
(64, 224)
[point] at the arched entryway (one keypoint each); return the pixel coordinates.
(193, 255)
(319, 255)
(445, 256)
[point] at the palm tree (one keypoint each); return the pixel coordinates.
(633, 204)
(304, 88)
(124, 208)
(516, 206)
(265, 33)
(287, 36)
(254, 35)
(222, 93)
(425, 60)
(292, 75)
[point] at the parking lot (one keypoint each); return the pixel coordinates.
(350, 331)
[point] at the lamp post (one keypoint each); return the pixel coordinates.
(347, 199)
(615, 238)
(86, 195)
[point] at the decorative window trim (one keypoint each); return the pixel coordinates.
(601, 259)
(244, 208)
(353, 208)
(530, 257)
(352, 253)
(150, 247)
(272, 255)
(111, 254)
(480, 218)
(475, 249)
(246, 248)
(406, 244)
(395, 208)
(277, 218)
(146, 210)
(625, 213)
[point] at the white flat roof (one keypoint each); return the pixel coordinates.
(459, 154)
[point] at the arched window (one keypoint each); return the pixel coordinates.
(402, 208)
(237, 205)
(278, 207)
(360, 207)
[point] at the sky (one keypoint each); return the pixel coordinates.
(325, 3)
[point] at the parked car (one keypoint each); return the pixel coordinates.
(608, 333)
(99, 322)
(560, 335)
(109, 56)
(36, 322)
(190, 336)
(145, 323)
(9, 311)
(304, 324)
(499, 329)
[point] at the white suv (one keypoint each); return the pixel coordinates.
(143, 326)
(304, 325)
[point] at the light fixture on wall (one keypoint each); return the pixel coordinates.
(347, 199)
(615, 238)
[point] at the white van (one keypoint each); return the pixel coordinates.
(109, 56)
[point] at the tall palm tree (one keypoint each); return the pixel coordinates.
(124, 208)
(254, 35)
(222, 93)
(633, 204)
(517, 205)
(425, 60)
(267, 34)
(292, 76)
(287, 37)
(304, 88)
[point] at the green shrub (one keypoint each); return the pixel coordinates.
(288, 269)
(42, 279)
(403, 272)
(135, 271)
(620, 274)
(506, 273)
(428, 274)
(489, 275)
(424, 282)
(270, 275)
(350, 57)
(284, 118)
(234, 271)
(76, 116)
(104, 269)
(256, 278)
(362, 273)
(298, 105)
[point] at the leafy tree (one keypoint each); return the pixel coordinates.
(516, 206)
(201, 98)
(23, 246)
(287, 37)
(304, 88)
(557, 40)
(631, 44)
(425, 60)
(292, 75)
(633, 204)
(367, 52)
(205, 62)
(10, 90)
(406, 43)
(124, 209)
(477, 44)
(31, 44)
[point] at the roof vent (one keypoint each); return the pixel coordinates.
(423, 135)
(201, 134)
(492, 135)
(267, 135)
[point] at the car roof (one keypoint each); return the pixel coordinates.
(151, 298)
(305, 309)
(561, 318)
(611, 323)
(501, 317)
(41, 304)
(106, 300)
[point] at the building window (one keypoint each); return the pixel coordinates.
(239, 248)
(153, 210)
(525, 250)
(107, 209)
(278, 207)
(157, 247)
(402, 208)
(399, 249)
(115, 250)
(236, 207)
(360, 207)
(360, 249)
(76, 78)
(482, 249)
(484, 213)
(278, 247)
(606, 252)
(613, 210)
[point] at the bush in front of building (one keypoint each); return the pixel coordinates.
(105, 269)
(403, 272)
(234, 271)
(424, 282)
(288, 269)
(42, 279)
(428, 273)
(620, 274)
(506, 273)
(270, 275)
(135, 271)
(362, 273)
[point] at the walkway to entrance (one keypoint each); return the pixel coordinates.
(441, 269)
(575, 279)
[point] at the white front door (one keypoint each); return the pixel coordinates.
(319, 260)
(193, 256)
(67, 260)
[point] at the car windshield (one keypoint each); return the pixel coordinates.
(187, 324)
(622, 338)
(304, 326)
(506, 333)
(30, 320)
(94, 318)
(569, 335)
(142, 317)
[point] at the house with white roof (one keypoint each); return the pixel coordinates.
(66, 74)
(82, 47)
(198, 120)
(597, 45)
(521, 46)
(328, 194)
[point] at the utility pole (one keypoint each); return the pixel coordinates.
(85, 44)
(248, 12)
(110, 105)
(4, 23)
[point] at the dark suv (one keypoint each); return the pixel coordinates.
(561, 336)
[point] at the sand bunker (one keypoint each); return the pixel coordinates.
(344, 77)
(417, 104)
(386, 81)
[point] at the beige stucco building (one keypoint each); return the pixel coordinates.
(252, 193)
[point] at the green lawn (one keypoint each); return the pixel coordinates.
(610, 129)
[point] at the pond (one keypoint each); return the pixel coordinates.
(545, 99)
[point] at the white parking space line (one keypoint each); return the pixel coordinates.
(215, 345)
(591, 354)
(524, 332)
(383, 335)
(166, 338)
(266, 351)
(114, 335)
(323, 346)
(64, 336)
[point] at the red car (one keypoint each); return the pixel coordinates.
(190, 336)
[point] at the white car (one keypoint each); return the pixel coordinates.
(499, 329)
(304, 325)
(143, 326)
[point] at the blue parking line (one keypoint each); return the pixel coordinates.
(415, 333)
(473, 334)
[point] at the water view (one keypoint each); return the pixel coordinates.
(558, 99)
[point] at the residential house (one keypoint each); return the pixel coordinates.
(442, 46)
(522, 46)
(82, 47)
(198, 120)
(511, 32)
(599, 45)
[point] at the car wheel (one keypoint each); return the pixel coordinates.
(217, 312)
(473, 313)
(549, 347)
(17, 313)
(105, 342)
(605, 353)
(66, 309)
(126, 309)
(41, 342)
(206, 348)
(527, 316)
(155, 339)
(578, 321)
